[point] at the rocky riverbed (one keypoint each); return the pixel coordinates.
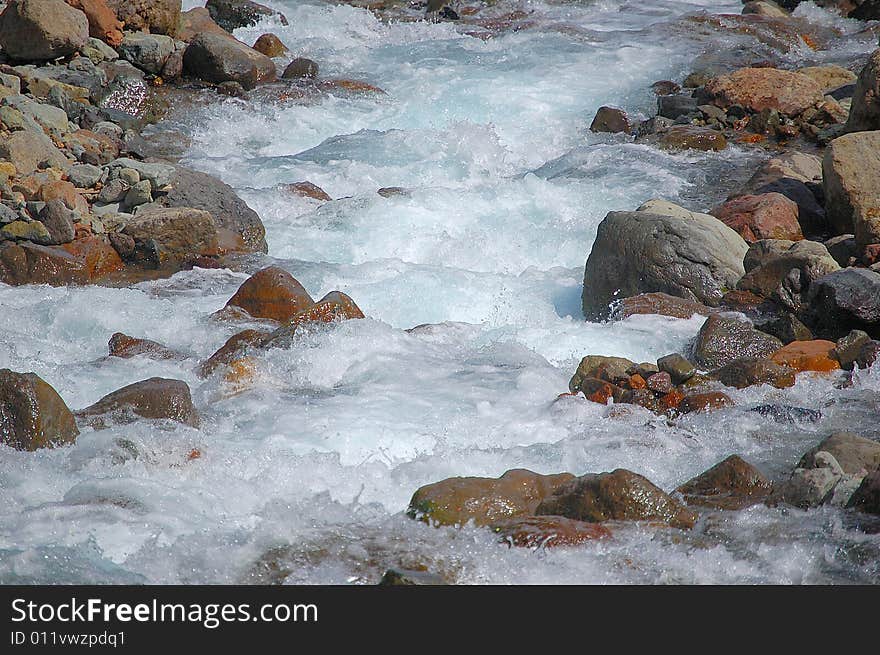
(444, 293)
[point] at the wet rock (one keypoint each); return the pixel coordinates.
(787, 328)
(308, 190)
(610, 119)
(730, 484)
(679, 369)
(270, 45)
(548, 531)
(849, 347)
(271, 293)
(812, 487)
(854, 454)
(610, 369)
(660, 382)
(42, 29)
(723, 340)
(485, 501)
(156, 398)
(787, 413)
(691, 137)
(811, 214)
(813, 355)
(172, 236)
(233, 349)
(232, 89)
(149, 52)
(123, 346)
(601, 391)
(864, 113)
(764, 8)
(659, 303)
(693, 257)
(675, 106)
(232, 14)
(620, 496)
(332, 308)
(665, 87)
(217, 59)
(764, 216)
(701, 402)
(785, 271)
(32, 414)
(848, 299)
(850, 169)
(750, 371)
(406, 577)
(103, 23)
(757, 89)
(300, 68)
(867, 496)
(154, 16)
(239, 227)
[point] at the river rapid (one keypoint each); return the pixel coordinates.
(303, 474)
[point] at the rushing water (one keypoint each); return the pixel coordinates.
(315, 461)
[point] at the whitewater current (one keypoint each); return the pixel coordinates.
(304, 473)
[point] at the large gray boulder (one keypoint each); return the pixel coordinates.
(218, 58)
(42, 29)
(848, 299)
(850, 170)
(864, 113)
(665, 248)
(239, 227)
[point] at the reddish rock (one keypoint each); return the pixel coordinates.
(98, 149)
(662, 304)
(700, 402)
(609, 369)
(352, 86)
(32, 414)
(198, 20)
(600, 391)
(620, 496)
(307, 190)
(486, 501)
(610, 119)
(103, 23)
(757, 89)
(637, 382)
(660, 382)
(272, 293)
(60, 190)
(764, 216)
(98, 256)
(232, 350)
(124, 346)
(692, 137)
(813, 355)
(731, 484)
(155, 16)
(335, 306)
(29, 263)
(548, 532)
(671, 400)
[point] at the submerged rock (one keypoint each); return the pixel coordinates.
(659, 303)
(610, 119)
(123, 346)
(610, 369)
(32, 414)
(749, 371)
(693, 256)
(619, 496)
(456, 501)
(866, 497)
(548, 531)
(730, 484)
(156, 398)
(406, 577)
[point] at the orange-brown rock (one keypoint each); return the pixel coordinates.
(99, 258)
(307, 190)
(671, 400)
(600, 391)
(272, 293)
(198, 20)
(620, 496)
(757, 89)
(548, 531)
(808, 356)
(123, 346)
(103, 23)
(485, 501)
(232, 350)
(636, 382)
(763, 216)
(270, 45)
(156, 398)
(660, 303)
(352, 86)
(29, 263)
(59, 190)
(701, 402)
(335, 306)
(32, 414)
(731, 484)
